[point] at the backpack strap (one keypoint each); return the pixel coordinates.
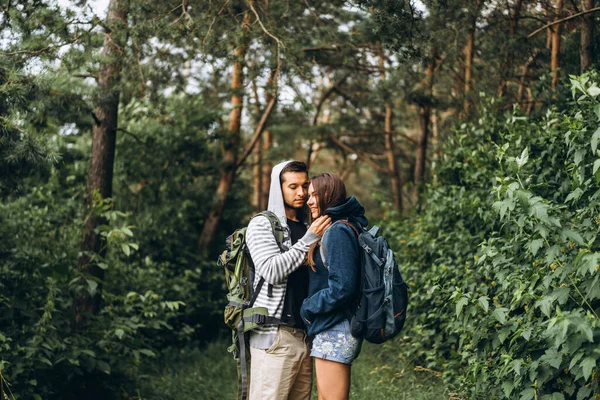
(278, 229)
(278, 232)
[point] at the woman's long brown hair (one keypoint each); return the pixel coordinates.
(330, 191)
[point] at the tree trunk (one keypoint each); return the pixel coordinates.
(231, 147)
(262, 172)
(524, 72)
(587, 36)
(389, 143)
(469, 48)
(506, 68)
(424, 118)
(266, 169)
(104, 134)
(257, 177)
(555, 55)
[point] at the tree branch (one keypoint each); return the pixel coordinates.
(258, 131)
(366, 159)
(562, 20)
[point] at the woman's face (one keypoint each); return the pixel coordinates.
(313, 202)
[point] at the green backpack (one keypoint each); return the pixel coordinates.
(240, 315)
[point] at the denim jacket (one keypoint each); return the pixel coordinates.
(334, 287)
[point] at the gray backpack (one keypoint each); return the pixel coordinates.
(381, 310)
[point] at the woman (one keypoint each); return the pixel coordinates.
(334, 285)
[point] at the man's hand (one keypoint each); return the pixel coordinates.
(320, 225)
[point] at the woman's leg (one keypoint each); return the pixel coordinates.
(333, 379)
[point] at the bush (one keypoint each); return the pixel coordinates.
(504, 261)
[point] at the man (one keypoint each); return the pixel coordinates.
(281, 367)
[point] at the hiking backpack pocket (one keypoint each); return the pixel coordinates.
(369, 318)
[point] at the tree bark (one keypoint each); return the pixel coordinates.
(524, 72)
(257, 182)
(587, 36)
(424, 117)
(506, 68)
(469, 49)
(257, 176)
(389, 142)
(555, 55)
(266, 169)
(104, 134)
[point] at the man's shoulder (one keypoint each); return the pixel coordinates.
(262, 221)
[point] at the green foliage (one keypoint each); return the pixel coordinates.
(508, 246)
(41, 355)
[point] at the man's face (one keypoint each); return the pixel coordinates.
(295, 189)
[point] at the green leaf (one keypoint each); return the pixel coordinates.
(552, 358)
(527, 394)
(574, 236)
(103, 366)
(596, 166)
(45, 361)
(484, 303)
(593, 90)
(147, 352)
(558, 396)
(523, 158)
(575, 358)
(507, 387)
(587, 365)
(127, 231)
(584, 392)
(595, 139)
(527, 334)
(516, 366)
(586, 329)
(544, 304)
(534, 246)
(460, 304)
(579, 154)
(500, 315)
(119, 333)
(92, 286)
(126, 249)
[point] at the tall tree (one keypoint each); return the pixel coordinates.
(469, 53)
(424, 119)
(232, 138)
(556, 39)
(389, 140)
(104, 133)
(587, 28)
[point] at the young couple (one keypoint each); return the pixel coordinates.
(311, 285)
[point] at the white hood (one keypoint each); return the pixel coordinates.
(276, 204)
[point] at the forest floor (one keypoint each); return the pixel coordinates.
(210, 373)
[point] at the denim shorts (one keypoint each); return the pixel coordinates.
(336, 344)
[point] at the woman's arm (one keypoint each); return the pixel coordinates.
(341, 251)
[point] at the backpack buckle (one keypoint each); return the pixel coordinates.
(244, 281)
(260, 319)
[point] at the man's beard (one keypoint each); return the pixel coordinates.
(289, 206)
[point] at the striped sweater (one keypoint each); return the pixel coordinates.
(275, 267)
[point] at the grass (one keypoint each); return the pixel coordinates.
(210, 373)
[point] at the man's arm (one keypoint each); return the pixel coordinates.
(270, 262)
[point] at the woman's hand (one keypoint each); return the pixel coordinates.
(320, 225)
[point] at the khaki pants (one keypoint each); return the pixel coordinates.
(284, 370)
